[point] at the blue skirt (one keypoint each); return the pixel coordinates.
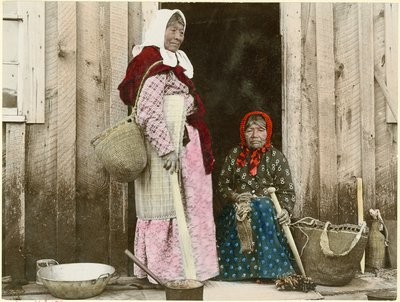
(270, 258)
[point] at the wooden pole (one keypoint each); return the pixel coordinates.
(286, 230)
(184, 236)
(360, 215)
(183, 231)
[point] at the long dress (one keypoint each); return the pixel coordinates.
(270, 257)
(156, 238)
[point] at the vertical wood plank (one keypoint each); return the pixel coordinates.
(326, 112)
(66, 133)
(14, 202)
(148, 9)
(291, 91)
(137, 16)
(41, 161)
(366, 47)
(347, 86)
(118, 200)
(391, 56)
(134, 37)
(92, 181)
(3, 185)
(135, 20)
(347, 195)
(386, 133)
(309, 113)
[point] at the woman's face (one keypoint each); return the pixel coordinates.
(174, 35)
(256, 135)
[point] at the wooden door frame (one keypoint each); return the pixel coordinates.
(291, 83)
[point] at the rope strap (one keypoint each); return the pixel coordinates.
(324, 241)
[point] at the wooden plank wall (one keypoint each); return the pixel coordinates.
(391, 58)
(92, 181)
(366, 61)
(58, 200)
(291, 79)
(14, 205)
(309, 172)
(41, 160)
(326, 112)
(66, 132)
(348, 108)
(118, 211)
(341, 121)
(385, 132)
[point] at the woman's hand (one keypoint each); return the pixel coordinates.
(284, 217)
(171, 162)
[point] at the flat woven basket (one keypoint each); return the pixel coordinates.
(121, 149)
(330, 253)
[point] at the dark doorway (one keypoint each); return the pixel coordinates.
(235, 49)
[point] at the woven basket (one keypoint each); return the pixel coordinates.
(121, 149)
(330, 254)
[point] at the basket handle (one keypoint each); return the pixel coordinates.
(324, 241)
(134, 109)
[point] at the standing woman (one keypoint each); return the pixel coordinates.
(171, 115)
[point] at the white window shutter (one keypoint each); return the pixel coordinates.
(33, 58)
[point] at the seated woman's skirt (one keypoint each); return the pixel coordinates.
(270, 257)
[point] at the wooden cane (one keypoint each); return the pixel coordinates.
(183, 231)
(286, 230)
(360, 215)
(175, 104)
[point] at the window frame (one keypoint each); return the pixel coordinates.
(31, 64)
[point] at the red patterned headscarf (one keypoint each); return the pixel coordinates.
(256, 154)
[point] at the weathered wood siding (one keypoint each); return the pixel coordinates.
(385, 131)
(339, 128)
(58, 201)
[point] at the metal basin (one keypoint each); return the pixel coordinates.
(76, 280)
(186, 289)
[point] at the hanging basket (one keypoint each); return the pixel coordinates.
(330, 254)
(121, 149)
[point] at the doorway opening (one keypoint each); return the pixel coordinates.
(235, 49)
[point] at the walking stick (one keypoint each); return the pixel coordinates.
(360, 215)
(286, 230)
(174, 105)
(183, 232)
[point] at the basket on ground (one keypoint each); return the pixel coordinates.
(330, 254)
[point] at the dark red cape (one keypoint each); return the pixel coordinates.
(138, 71)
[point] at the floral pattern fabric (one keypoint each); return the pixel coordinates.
(269, 259)
(273, 171)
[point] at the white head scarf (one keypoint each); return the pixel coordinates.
(155, 37)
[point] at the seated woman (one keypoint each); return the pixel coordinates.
(251, 244)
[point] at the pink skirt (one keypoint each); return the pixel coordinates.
(157, 241)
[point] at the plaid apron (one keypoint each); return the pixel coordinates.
(153, 194)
